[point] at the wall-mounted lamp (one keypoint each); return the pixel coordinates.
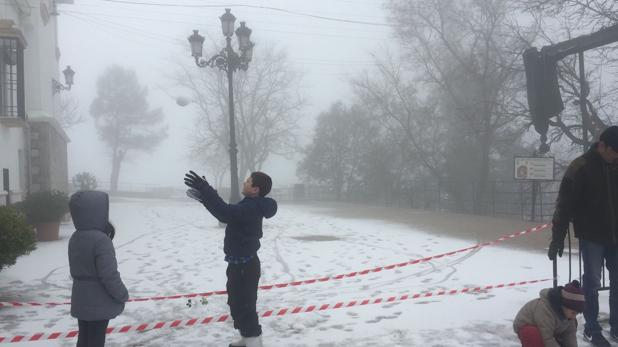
(57, 87)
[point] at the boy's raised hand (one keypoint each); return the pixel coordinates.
(195, 194)
(194, 181)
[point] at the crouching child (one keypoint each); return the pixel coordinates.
(550, 320)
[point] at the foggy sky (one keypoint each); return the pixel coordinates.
(94, 34)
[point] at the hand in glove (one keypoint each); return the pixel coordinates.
(194, 194)
(110, 230)
(556, 247)
(194, 181)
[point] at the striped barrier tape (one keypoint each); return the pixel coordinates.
(265, 314)
(308, 281)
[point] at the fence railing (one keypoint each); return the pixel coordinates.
(516, 199)
(502, 198)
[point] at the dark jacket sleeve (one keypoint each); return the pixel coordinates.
(568, 195)
(224, 212)
(107, 270)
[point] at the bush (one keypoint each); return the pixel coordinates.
(45, 207)
(16, 236)
(85, 181)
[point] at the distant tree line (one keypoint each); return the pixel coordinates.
(452, 105)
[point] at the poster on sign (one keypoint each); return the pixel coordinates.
(534, 168)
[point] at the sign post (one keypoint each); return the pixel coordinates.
(534, 169)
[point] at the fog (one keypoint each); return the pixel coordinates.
(431, 138)
(389, 96)
(94, 34)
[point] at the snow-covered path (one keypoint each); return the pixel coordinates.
(171, 247)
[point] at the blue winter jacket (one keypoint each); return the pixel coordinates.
(244, 220)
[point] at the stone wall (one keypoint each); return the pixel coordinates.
(49, 169)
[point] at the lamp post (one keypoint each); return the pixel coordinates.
(229, 61)
(68, 80)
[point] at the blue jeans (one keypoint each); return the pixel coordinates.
(593, 254)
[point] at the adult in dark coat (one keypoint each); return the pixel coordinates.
(588, 197)
(98, 293)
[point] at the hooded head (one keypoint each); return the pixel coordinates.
(89, 210)
(268, 206)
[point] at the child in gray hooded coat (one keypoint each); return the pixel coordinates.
(98, 293)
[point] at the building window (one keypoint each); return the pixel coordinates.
(11, 78)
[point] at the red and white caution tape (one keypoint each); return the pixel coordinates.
(28, 304)
(265, 314)
(314, 280)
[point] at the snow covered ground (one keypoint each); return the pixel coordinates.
(175, 247)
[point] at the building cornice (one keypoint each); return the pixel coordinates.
(8, 29)
(41, 117)
(24, 7)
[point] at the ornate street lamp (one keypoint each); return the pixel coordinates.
(68, 80)
(197, 42)
(227, 23)
(229, 61)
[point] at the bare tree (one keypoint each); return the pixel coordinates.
(589, 14)
(594, 107)
(343, 151)
(470, 59)
(68, 110)
(123, 118)
(600, 103)
(267, 109)
(393, 97)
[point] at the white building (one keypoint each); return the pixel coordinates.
(33, 146)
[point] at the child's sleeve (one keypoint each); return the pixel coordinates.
(569, 337)
(223, 211)
(545, 321)
(107, 270)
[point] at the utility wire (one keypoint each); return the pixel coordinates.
(195, 23)
(105, 26)
(190, 13)
(107, 29)
(277, 9)
(131, 29)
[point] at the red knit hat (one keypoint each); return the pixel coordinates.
(573, 296)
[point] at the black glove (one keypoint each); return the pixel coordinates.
(110, 230)
(195, 194)
(556, 247)
(194, 181)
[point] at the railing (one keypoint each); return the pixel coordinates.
(515, 199)
(524, 200)
(569, 252)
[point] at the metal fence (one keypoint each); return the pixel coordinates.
(516, 199)
(532, 201)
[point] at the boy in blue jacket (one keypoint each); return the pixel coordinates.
(241, 243)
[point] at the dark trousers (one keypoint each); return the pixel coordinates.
(92, 333)
(593, 256)
(242, 285)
